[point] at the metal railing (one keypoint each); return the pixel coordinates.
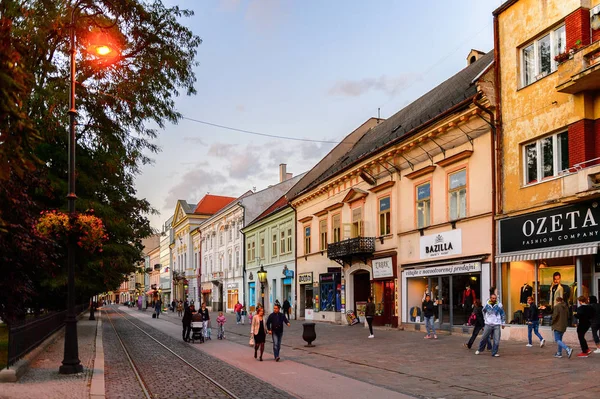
(350, 247)
(26, 335)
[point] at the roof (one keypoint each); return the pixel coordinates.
(187, 207)
(421, 112)
(210, 204)
(278, 205)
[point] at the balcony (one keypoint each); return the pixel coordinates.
(344, 251)
(581, 72)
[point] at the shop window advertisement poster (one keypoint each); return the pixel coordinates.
(360, 310)
(556, 282)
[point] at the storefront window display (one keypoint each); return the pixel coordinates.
(545, 280)
(330, 292)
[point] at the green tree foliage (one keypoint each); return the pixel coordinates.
(119, 104)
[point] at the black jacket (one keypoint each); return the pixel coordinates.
(428, 308)
(276, 321)
(479, 321)
(370, 309)
(531, 313)
(585, 314)
(187, 317)
(204, 313)
(596, 319)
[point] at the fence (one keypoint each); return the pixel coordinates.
(24, 336)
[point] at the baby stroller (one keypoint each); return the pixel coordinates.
(197, 328)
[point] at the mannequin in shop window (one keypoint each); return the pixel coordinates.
(557, 290)
(468, 299)
(425, 293)
(526, 292)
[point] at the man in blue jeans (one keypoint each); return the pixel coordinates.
(275, 324)
(533, 323)
(494, 317)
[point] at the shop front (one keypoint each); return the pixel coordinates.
(454, 283)
(232, 295)
(546, 255)
(383, 290)
(307, 299)
(329, 296)
(206, 291)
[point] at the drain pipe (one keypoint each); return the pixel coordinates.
(492, 123)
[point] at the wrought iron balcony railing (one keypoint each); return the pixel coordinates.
(343, 251)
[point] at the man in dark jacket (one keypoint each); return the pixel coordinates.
(560, 316)
(533, 322)
(585, 314)
(428, 313)
(369, 315)
(187, 322)
(595, 322)
(275, 324)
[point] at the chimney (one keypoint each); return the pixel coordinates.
(283, 176)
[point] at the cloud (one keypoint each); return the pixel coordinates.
(386, 84)
(242, 161)
(193, 185)
(196, 140)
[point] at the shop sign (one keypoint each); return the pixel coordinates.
(305, 278)
(441, 244)
(232, 286)
(441, 270)
(383, 267)
(571, 224)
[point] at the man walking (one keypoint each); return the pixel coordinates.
(238, 312)
(494, 317)
(275, 324)
(560, 314)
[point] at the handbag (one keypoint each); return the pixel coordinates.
(251, 342)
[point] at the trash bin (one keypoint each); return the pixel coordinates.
(309, 334)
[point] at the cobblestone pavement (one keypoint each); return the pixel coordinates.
(42, 380)
(168, 377)
(404, 362)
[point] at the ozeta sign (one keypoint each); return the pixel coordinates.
(441, 244)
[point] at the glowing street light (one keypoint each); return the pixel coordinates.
(71, 363)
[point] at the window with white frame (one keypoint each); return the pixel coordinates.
(237, 258)
(336, 221)
(546, 157)
(357, 222)
(231, 233)
(221, 238)
(289, 239)
(274, 243)
(423, 205)
(230, 260)
(457, 194)
(385, 216)
(195, 260)
(220, 262)
(306, 240)
(323, 234)
(537, 58)
(262, 245)
(282, 241)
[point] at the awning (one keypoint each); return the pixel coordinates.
(588, 248)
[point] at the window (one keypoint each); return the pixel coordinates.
(251, 250)
(274, 244)
(230, 260)
(221, 263)
(546, 157)
(231, 233)
(221, 239)
(423, 205)
(185, 261)
(307, 240)
(357, 224)
(195, 260)
(336, 221)
(237, 258)
(457, 194)
(323, 234)
(282, 243)
(262, 245)
(289, 239)
(537, 58)
(385, 218)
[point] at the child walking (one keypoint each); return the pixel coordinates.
(221, 326)
(533, 323)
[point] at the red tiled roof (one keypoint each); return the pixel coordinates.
(211, 204)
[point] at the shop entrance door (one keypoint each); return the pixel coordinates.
(362, 287)
(445, 307)
(389, 303)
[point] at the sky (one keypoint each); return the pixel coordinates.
(305, 69)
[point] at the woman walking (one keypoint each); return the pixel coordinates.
(369, 314)
(205, 321)
(585, 315)
(595, 322)
(258, 330)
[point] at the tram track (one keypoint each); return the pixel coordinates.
(147, 382)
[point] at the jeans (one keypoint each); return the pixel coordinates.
(206, 329)
(493, 330)
(238, 317)
(370, 323)
(595, 328)
(277, 335)
(534, 325)
(429, 325)
(476, 331)
(558, 339)
(221, 331)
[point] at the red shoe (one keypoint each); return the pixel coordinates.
(582, 354)
(588, 351)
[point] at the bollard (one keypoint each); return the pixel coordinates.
(309, 334)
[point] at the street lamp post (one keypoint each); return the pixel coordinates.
(71, 363)
(262, 277)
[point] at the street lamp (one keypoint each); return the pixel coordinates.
(262, 277)
(71, 363)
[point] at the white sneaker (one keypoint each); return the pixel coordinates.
(371, 336)
(529, 345)
(477, 352)
(542, 343)
(597, 350)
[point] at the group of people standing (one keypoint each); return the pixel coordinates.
(202, 315)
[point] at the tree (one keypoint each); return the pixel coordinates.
(116, 106)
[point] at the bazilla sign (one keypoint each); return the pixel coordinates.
(441, 244)
(571, 224)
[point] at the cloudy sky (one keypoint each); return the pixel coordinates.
(307, 69)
